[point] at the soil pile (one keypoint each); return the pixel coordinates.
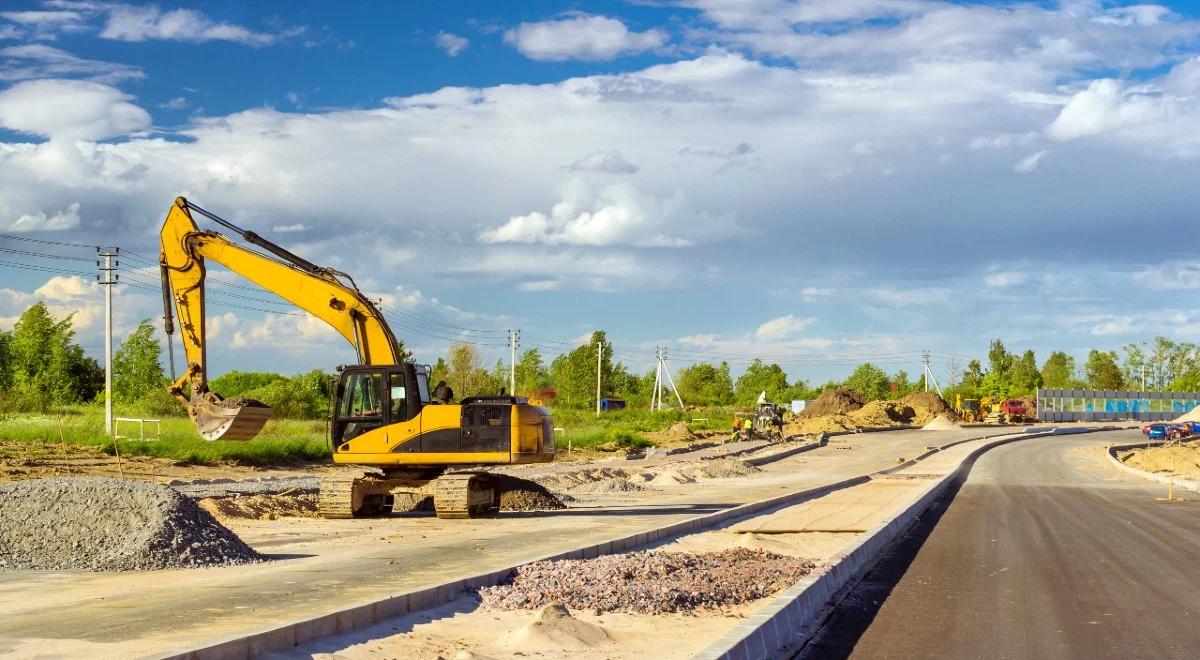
(649, 582)
(1192, 416)
(678, 433)
(837, 401)
(1180, 459)
(261, 507)
(882, 413)
(929, 401)
(823, 424)
(518, 494)
(103, 524)
(941, 423)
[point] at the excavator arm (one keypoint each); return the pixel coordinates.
(322, 292)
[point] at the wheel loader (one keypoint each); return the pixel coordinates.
(396, 439)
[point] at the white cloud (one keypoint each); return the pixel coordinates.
(60, 221)
(72, 109)
(617, 215)
(452, 43)
(540, 285)
(30, 61)
(41, 17)
(177, 103)
(288, 229)
(813, 293)
(915, 296)
(1030, 162)
(1170, 276)
(131, 23)
(607, 161)
(1005, 278)
(1117, 325)
(581, 37)
(782, 327)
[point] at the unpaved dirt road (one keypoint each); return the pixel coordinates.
(324, 565)
(1047, 551)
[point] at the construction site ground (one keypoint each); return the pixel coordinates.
(321, 565)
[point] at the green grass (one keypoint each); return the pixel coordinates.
(285, 441)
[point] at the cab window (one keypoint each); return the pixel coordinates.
(399, 401)
(363, 396)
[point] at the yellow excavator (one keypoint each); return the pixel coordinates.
(400, 441)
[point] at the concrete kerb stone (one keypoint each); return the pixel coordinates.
(811, 601)
(1111, 452)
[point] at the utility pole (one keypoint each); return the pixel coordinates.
(1143, 377)
(107, 278)
(514, 336)
(929, 373)
(599, 361)
(663, 361)
(656, 393)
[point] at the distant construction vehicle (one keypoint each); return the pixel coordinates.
(400, 437)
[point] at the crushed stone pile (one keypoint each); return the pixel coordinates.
(104, 524)
(649, 582)
(610, 486)
(721, 468)
(941, 423)
(836, 401)
(518, 494)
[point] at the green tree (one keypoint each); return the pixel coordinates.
(1058, 371)
(531, 372)
(5, 361)
(705, 384)
(972, 378)
(45, 366)
(573, 374)
(137, 371)
(466, 374)
(1024, 376)
(1000, 362)
(870, 381)
(438, 372)
(1102, 371)
(303, 396)
(758, 378)
(903, 387)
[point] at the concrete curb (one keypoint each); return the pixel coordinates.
(365, 614)
(1111, 452)
(792, 617)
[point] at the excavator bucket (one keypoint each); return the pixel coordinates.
(236, 418)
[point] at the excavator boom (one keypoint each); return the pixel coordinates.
(322, 292)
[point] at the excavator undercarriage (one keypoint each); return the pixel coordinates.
(353, 492)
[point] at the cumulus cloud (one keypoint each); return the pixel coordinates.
(617, 215)
(607, 161)
(581, 37)
(782, 327)
(60, 221)
(72, 109)
(452, 43)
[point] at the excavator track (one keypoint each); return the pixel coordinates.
(336, 497)
(465, 495)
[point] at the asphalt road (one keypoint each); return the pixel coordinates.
(1046, 551)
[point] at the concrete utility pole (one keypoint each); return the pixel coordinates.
(514, 336)
(107, 278)
(929, 373)
(667, 370)
(599, 360)
(656, 393)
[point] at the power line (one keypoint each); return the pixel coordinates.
(47, 242)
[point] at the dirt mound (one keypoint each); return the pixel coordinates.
(554, 629)
(929, 401)
(1180, 459)
(941, 423)
(678, 433)
(837, 401)
(103, 524)
(882, 413)
(822, 424)
(649, 582)
(241, 402)
(518, 494)
(610, 486)
(721, 468)
(261, 507)
(1192, 416)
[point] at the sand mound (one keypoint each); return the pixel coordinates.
(836, 401)
(554, 629)
(518, 494)
(103, 524)
(927, 400)
(941, 423)
(649, 582)
(261, 507)
(722, 468)
(1180, 459)
(1192, 416)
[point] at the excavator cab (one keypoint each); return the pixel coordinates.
(369, 397)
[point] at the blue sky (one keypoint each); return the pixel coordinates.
(815, 183)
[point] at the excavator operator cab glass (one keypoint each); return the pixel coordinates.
(398, 399)
(361, 406)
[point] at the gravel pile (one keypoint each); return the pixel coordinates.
(103, 524)
(649, 582)
(518, 494)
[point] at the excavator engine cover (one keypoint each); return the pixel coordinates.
(237, 418)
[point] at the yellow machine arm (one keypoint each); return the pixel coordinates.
(323, 292)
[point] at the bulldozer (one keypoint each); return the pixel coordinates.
(968, 409)
(396, 440)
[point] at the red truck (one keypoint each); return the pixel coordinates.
(1014, 410)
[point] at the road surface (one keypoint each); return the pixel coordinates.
(1047, 551)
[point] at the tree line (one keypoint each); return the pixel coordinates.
(42, 367)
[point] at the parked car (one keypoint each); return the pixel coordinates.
(1168, 431)
(1156, 431)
